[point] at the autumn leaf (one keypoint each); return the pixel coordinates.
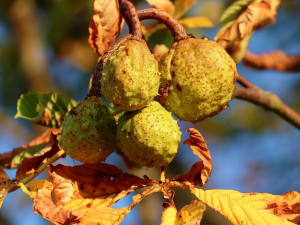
(87, 189)
(270, 61)
(3, 178)
(182, 6)
(200, 171)
(72, 207)
(40, 191)
(250, 19)
(253, 208)
(13, 158)
(94, 180)
(169, 215)
(165, 5)
(106, 25)
(195, 22)
(233, 10)
(189, 214)
(29, 165)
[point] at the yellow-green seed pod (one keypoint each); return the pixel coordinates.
(201, 77)
(89, 131)
(130, 78)
(150, 136)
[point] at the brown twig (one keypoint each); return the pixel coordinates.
(275, 60)
(246, 83)
(268, 101)
(177, 30)
(128, 11)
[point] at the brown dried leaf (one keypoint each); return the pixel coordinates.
(165, 5)
(270, 61)
(200, 171)
(43, 205)
(106, 25)
(159, 51)
(5, 158)
(29, 165)
(3, 178)
(107, 216)
(254, 17)
(95, 207)
(94, 180)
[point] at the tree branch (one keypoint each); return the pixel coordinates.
(268, 101)
(274, 60)
(177, 30)
(246, 83)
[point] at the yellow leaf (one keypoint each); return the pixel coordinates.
(3, 178)
(3, 193)
(182, 6)
(169, 216)
(189, 214)
(241, 209)
(34, 186)
(195, 22)
(165, 5)
(192, 212)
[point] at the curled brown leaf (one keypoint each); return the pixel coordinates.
(44, 206)
(106, 25)
(29, 165)
(252, 18)
(200, 171)
(6, 158)
(94, 180)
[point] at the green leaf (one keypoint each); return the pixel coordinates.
(17, 160)
(47, 109)
(233, 10)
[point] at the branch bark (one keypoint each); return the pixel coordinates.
(274, 60)
(268, 101)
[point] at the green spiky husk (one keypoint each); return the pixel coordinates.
(150, 136)
(130, 78)
(201, 76)
(89, 130)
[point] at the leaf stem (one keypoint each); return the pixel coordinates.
(177, 30)
(163, 174)
(27, 179)
(128, 11)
